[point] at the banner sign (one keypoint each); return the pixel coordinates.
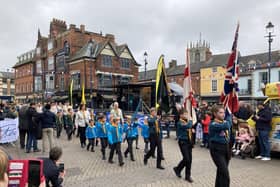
(9, 130)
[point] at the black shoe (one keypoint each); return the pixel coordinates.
(111, 161)
(160, 167)
(121, 164)
(137, 148)
(189, 179)
(22, 147)
(92, 150)
(162, 158)
(145, 161)
(37, 150)
(87, 148)
(103, 158)
(176, 172)
(27, 151)
(132, 159)
(125, 155)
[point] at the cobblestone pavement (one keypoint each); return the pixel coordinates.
(85, 168)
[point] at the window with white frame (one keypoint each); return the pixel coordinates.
(50, 81)
(214, 86)
(214, 69)
(50, 45)
(39, 66)
(125, 63)
(38, 50)
(263, 78)
(50, 63)
(107, 61)
(38, 83)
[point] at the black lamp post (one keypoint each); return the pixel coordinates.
(269, 29)
(146, 63)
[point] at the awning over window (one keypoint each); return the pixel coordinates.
(176, 88)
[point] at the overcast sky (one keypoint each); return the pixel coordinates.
(156, 26)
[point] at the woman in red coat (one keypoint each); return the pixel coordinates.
(206, 119)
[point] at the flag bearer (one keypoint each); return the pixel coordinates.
(184, 132)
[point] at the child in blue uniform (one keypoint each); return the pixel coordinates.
(115, 138)
(91, 135)
(130, 129)
(184, 132)
(219, 137)
(145, 133)
(101, 131)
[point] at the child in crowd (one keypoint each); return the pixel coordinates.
(145, 133)
(91, 135)
(69, 123)
(242, 140)
(101, 132)
(130, 129)
(115, 138)
(59, 123)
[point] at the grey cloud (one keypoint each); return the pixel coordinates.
(158, 27)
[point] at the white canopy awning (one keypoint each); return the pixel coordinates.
(113, 74)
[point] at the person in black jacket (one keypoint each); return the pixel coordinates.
(48, 121)
(263, 126)
(52, 172)
(23, 125)
(32, 117)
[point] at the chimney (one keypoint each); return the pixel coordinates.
(110, 37)
(82, 28)
(72, 27)
(173, 63)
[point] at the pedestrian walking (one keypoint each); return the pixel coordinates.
(185, 144)
(115, 140)
(82, 121)
(48, 120)
(219, 137)
(102, 131)
(91, 135)
(155, 132)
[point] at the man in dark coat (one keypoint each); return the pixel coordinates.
(23, 125)
(32, 117)
(263, 126)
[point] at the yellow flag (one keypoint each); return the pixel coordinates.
(83, 101)
(71, 93)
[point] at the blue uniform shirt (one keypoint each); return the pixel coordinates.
(219, 132)
(90, 132)
(130, 130)
(102, 129)
(183, 129)
(115, 134)
(145, 130)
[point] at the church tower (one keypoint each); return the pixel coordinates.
(199, 51)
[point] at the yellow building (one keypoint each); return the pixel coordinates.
(212, 81)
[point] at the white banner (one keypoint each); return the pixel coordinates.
(9, 130)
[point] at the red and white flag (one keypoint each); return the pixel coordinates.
(189, 100)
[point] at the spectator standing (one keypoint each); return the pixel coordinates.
(32, 118)
(23, 125)
(263, 126)
(48, 120)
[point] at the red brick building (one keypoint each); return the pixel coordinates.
(91, 59)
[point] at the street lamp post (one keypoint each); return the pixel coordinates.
(146, 63)
(269, 29)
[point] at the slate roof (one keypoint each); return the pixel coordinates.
(9, 75)
(92, 49)
(214, 61)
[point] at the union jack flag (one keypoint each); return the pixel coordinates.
(229, 96)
